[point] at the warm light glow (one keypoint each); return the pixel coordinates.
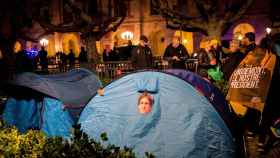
(1, 55)
(44, 42)
(268, 30)
(127, 35)
(185, 41)
(243, 28)
(186, 36)
(17, 47)
(240, 37)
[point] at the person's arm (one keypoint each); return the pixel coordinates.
(168, 54)
(212, 58)
(185, 52)
(151, 58)
(202, 60)
(134, 56)
(103, 57)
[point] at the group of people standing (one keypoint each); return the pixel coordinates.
(254, 105)
(253, 74)
(175, 54)
(28, 61)
(67, 62)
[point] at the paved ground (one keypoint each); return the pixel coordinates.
(252, 149)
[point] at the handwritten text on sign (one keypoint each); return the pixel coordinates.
(248, 77)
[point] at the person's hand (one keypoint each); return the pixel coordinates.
(100, 91)
(225, 60)
(256, 100)
(175, 58)
(213, 62)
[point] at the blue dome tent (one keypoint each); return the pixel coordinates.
(212, 93)
(51, 103)
(182, 123)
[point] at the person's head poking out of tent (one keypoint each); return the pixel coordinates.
(145, 103)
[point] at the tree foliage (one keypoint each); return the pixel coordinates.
(36, 144)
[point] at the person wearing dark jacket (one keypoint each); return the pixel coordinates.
(206, 60)
(108, 54)
(248, 43)
(83, 56)
(271, 111)
(176, 54)
(142, 55)
(71, 59)
(43, 56)
(22, 62)
(232, 60)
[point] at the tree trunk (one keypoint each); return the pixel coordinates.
(92, 49)
(214, 31)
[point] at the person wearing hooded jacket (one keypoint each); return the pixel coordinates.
(142, 55)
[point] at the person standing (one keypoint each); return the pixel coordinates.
(176, 53)
(22, 62)
(63, 58)
(43, 59)
(248, 43)
(142, 55)
(71, 58)
(83, 57)
(108, 54)
(233, 59)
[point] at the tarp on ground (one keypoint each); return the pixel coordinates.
(182, 123)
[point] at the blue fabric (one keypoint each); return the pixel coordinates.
(207, 89)
(55, 116)
(74, 88)
(182, 122)
(24, 114)
(48, 116)
(149, 84)
(56, 121)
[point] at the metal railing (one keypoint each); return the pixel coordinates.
(114, 69)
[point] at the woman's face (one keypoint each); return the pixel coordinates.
(144, 106)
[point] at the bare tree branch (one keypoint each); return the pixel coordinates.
(171, 15)
(83, 15)
(111, 26)
(87, 26)
(211, 20)
(230, 16)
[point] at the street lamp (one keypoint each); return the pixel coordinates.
(239, 37)
(268, 30)
(127, 35)
(44, 42)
